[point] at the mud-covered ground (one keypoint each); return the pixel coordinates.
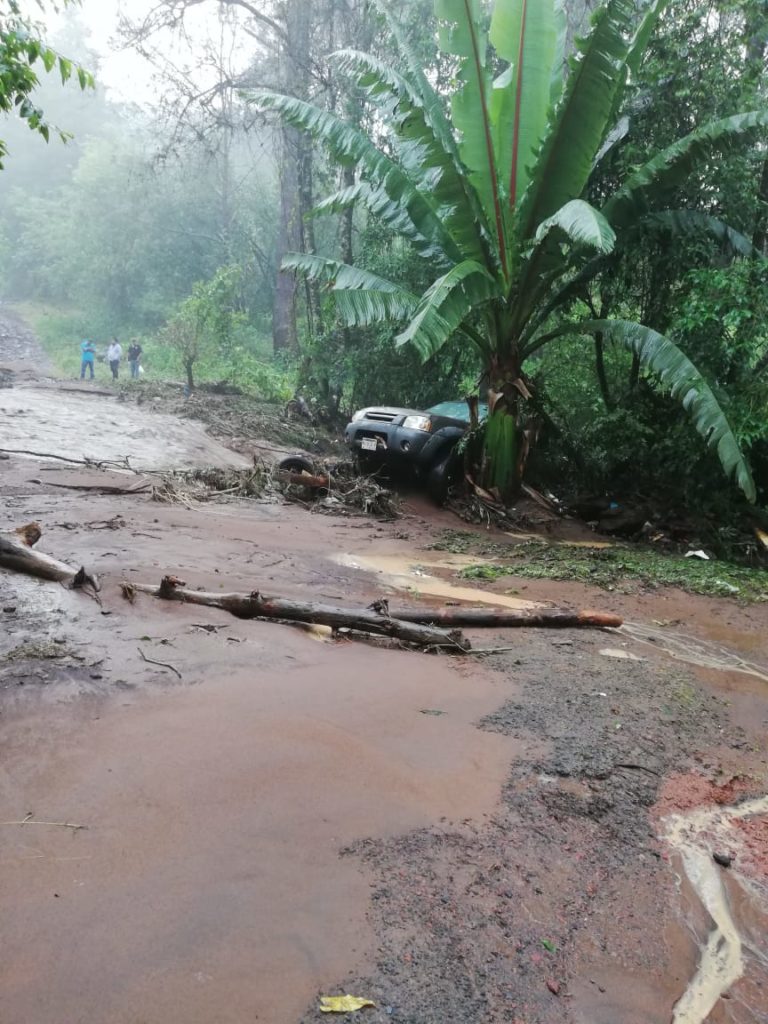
(269, 816)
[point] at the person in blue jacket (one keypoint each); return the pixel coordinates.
(88, 356)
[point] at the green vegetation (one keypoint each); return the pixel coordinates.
(22, 53)
(617, 567)
(623, 197)
(494, 197)
(247, 362)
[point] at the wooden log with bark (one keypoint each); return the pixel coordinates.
(423, 626)
(256, 606)
(504, 618)
(17, 554)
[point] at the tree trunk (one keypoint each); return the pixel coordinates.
(256, 606)
(188, 364)
(602, 378)
(284, 336)
(505, 444)
(295, 172)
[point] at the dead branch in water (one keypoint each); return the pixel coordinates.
(55, 824)
(91, 463)
(255, 606)
(162, 664)
(17, 555)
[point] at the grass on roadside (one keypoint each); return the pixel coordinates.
(611, 568)
(248, 364)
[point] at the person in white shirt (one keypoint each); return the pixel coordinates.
(114, 355)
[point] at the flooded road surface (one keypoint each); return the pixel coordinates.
(208, 884)
(694, 835)
(412, 575)
(96, 427)
(504, 864)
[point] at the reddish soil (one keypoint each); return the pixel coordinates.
(469, 840)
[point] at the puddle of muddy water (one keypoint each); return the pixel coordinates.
(208, 884)
(693, 651)
(413, 574)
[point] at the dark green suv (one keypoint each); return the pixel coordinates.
(421, 442)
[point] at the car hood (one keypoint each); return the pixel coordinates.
(392, 410)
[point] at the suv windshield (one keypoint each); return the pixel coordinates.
(457, 410)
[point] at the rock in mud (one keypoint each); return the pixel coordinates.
(723, 859)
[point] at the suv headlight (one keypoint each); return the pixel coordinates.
(358, 415)
(418, 423)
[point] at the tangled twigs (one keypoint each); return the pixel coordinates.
(335, 489)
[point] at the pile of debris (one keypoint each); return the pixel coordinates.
(332, 488)
(235, 418)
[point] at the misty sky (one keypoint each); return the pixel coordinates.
(124, 72)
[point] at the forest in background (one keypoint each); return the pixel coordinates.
(150, 218)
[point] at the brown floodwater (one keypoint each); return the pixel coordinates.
(208, 884)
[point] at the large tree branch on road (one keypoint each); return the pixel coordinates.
(255, 606)
(17, 555)
(413, 625)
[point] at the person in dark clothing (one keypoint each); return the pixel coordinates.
(134, 355)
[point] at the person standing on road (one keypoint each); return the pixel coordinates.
(87, 357)
(134, 355)
(114, 355)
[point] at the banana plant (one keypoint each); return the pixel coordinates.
(488, 186)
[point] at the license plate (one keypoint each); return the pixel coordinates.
(369, 444)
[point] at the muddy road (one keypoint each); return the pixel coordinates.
(268, 815)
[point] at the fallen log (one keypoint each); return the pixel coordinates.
(256, 606)
(17, 554)
(303, 479)
(549, 618)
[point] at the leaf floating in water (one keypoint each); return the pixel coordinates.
(343, 1004)
(432, 711)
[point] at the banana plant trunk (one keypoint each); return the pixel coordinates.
(505, 445)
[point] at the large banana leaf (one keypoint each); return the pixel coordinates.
(526, 34)
(582, 223)
(650, 11)
(663, 358)
(675, 162)
(393, 215)
(675, 222)
(445, 304)
(578, 126)
(435, 114)
(350, 146)
(361, 297)
(461, 33)
(642, 37)
(695, 222)
(548, 260)
(422, 151)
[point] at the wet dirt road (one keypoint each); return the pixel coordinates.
(462, 841)
(208, 884)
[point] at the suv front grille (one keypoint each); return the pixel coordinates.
(381, 417)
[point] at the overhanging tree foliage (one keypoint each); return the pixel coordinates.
(491, 195)
(21, 51)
